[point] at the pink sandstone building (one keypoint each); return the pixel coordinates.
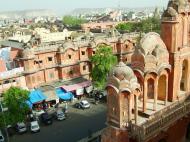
(150, 100)
(39, 63)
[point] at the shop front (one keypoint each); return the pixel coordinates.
(52, 99)
(77, 89)
(36, 99)
(63, 95)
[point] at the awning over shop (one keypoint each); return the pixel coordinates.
(63, 94)
(36, 96)
(89, 89)
(50, 95)
(29, 104)
(76, 86)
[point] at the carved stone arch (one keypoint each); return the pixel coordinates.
(149, 75)
(150, 81)
(184, 75)
(126, 105)
(140, 78)
(126, 91)
(166, 68)
(114, 106)
(113, 87)
(162, 86)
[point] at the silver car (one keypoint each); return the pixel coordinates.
(60, 115)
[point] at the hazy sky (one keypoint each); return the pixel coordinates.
(63, 6)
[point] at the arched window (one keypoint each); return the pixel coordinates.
(162, 87)
(183, 83)
(150, 87)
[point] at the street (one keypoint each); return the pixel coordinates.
(77, 126)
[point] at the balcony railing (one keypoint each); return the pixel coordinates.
(157, 124)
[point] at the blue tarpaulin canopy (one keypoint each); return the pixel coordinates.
(63, 94)
(29, 104)
(36, 96)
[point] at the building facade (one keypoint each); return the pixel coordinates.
(150, 100)
(47, 62)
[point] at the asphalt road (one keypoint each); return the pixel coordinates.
(77, 126)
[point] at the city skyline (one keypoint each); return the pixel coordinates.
(63, 7)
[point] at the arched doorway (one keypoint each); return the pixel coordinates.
(126, 107)
(150, 93)
(162, 87)
(183, 83)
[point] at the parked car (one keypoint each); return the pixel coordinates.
(34, 126)
(1, 137)
(46, 118)
(38, 112)
(33, 117)
(21, 127)
(60, 115)
(11, 130)
(83, 104)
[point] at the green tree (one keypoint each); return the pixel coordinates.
(128, 27)
(73, 21)
(148, 25)
(102, 62)
(15, 100)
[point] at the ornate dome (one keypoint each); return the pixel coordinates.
(175, 7)
(122, 71)
(122, 78)
(182, 2)
(150, 41)
(151, 55)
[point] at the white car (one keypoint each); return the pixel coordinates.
(60, 115)
(34, 126)
(1, 137)
(21, 127)
(83, 104)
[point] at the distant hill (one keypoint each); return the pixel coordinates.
(79, 11)
(26, 14)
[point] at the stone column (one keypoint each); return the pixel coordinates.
(129, 108)
(136, 109)
(145, 96)
(188, 75)
(166, 98)
(155, 94)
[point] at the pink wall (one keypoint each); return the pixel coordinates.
(2, 66)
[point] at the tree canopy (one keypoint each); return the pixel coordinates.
(15, 100)
(71, 21)
(147, 25)
(102, 62)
